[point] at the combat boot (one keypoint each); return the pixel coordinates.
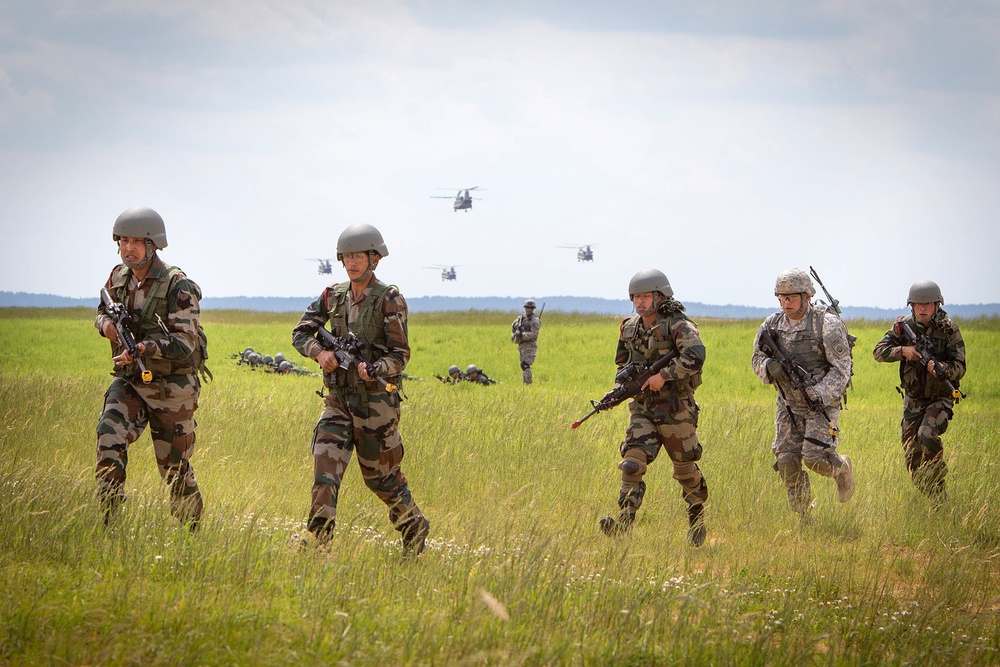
(112, 498)
(845, 480)
(696, 524)
(414, 534)
(612, 528)
(322, 529)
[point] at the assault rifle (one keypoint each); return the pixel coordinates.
(925, 349)
(348, 352)
(797, 376)
(123, 325)
(628, 383)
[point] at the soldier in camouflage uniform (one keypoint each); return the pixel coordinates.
(818, 341)
(164, 305)
(359, 412)
(928, 402)
(665, 415)
(524, 333)
(476, 375)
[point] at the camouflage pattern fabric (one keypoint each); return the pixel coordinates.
(524, 332)
(927, 402)
(360, 415)
(818, 340)
(666, 419)
(167, 404)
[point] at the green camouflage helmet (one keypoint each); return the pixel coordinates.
(141, 222)
(649, 280)
(360, 237)
(794, 281)
(925, 291)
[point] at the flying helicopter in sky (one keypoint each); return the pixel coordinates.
(324, 266)
(447, 272)
(463, 199)
(584, 253)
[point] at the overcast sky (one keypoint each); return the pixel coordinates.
(720, 142)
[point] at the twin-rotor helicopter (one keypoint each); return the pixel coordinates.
(447, 272)
(463, 199)
(584, 253)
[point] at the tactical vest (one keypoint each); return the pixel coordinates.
(914, 378)
(661, 344)
(369, 327)
(805, 345)
(152, 322)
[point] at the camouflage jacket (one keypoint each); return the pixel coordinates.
(670, 331)
(167, 325)
(378, 318)
(948, 348)
(818, 341)
(525, 329)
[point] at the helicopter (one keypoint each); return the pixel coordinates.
(463, 199)
(584, 253)
(324, 266)
(447, 272)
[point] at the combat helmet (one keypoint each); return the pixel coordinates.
(794, 281)
(360, 237)
(649, 280)
(472, 369)
(924, 291)
(454, 369)
(529, 303)
(141, 222)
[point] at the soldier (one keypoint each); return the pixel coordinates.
(524, 333)
(806, 420)
(359, 412)
(163, 304)
(665, 415)
(476, 375)
(455, 374)
(928, 400)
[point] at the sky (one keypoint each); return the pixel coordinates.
(720, 142)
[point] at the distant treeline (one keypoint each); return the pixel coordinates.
(427, 304)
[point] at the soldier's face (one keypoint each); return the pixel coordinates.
(132, 250)
(791, 305)
(356, 264)
(924, 311)
(643, 302)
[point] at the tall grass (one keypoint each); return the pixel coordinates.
(516, 571)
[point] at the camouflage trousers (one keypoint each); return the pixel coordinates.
(923, 423)
(167, 405)
(652, 428)
(803, 436)
(527, 352)
(346, 424)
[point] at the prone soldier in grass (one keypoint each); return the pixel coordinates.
(931, 353)
(804, 351)
(158, 348)
(361, 410)
(665, 415)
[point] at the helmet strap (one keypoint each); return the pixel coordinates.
(150, 251)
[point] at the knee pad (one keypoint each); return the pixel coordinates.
(633, 467)
(525, 365)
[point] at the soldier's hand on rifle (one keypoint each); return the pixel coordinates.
(327, 360)
(654, 383)
(363, 372)
(110, 332)
(775, 370)
(124, 359)
(909, 353)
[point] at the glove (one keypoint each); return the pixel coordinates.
(775, 370)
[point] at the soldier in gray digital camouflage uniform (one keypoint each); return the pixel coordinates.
(164, 307)
(928, 401)
(524, 333)
(360, 413)
(665, 415)
(806, 421)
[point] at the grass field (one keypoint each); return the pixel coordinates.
(516, 570)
